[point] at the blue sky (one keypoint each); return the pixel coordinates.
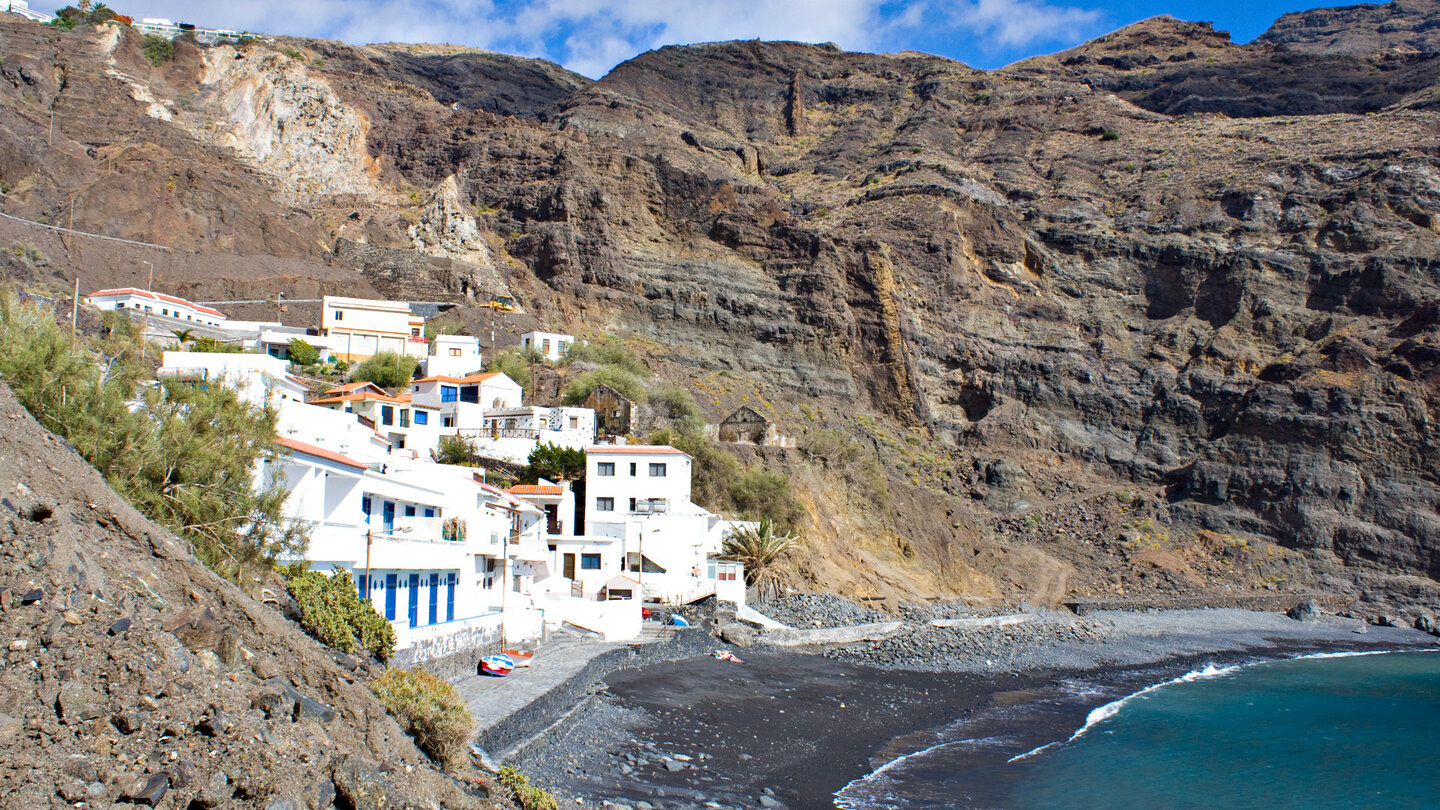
(592, 36)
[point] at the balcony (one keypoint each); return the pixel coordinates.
(651, 506)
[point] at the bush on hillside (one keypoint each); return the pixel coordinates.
(387, 370)
(528, 796)
(429, 709)
(760, 494)
(515, 364)
(607, 353)
(623, 381)
(332, 611)
(184, 455)
(158, 50)
(676, 405)
(718, 482)
(302, 353)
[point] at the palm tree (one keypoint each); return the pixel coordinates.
(183, 336)
(758, 547)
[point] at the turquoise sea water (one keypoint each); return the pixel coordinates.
(1358, 731)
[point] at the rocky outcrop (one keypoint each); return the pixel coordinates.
(1360, 30)
(286, 120)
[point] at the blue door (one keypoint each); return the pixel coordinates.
(450, 598)
(391, 585)
(387, 518)
(434, 598)
(414, 601)
(363, 586)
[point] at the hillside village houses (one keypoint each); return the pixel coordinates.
(359, 328)
(552, 346)
(450, 560)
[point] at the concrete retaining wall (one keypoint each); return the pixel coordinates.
(506, 735)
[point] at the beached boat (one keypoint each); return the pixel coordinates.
(519, 657)
(496, 665)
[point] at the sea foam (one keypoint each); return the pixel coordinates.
(1102, 713)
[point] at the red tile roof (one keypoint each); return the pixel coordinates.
(154, 296)
(319, 452)
(361, 396)
(350, 387)
(536, 489)
(473, 378)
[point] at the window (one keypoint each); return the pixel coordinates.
(414, 332)
(448, 421)
(422, 418)
(404, 417)
(590, 562)
(604, 504)
(409, 510)
(449, 393)
(574, 423)
(430, 511)
(454, 352)
(339, 315)
(632, 469)
(387, 417)
(633, 503)
(605, 468)
(545, 346)
(470, 393)
(164, 312)
(657, 470)
(365, 506)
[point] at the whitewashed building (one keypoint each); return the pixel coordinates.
(463, 400)
(454, 356)
(512, 434)
(405, 425)
(551, 345)
(640, 495)
(135, 301)
(260, 379)
(362, 327)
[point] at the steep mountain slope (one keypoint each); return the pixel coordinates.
(1094, 331)
(135, 675)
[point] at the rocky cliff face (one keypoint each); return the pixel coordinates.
(1029, 292)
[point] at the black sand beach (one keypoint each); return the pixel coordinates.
(790, 729)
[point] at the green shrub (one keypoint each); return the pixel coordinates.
(831, 447)
(554, 463)
(515, 364)
(158, 50)
(623, 381)
(386, 369)
(760, 494)
(678, 405)
(528, 796)
(184, 455)
(430, 710)
(456, 450)
(608, 353)
(443, 325)
(332, 611)
(292, 53)
(302, 353)
(1110, 135)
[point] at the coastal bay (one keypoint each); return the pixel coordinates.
(796, 728)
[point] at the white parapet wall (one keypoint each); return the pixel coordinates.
(416, 644)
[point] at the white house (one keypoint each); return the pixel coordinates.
(405, 425)
(454, 356)
(512, 434)
(447, 561)
(363, 327)
(143, 302)
(463, 400)
(640, 495)
(276, 342)
(552, 345)
(23, 9)
(260, 379)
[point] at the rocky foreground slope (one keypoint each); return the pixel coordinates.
(1157, 313)
(133, 675)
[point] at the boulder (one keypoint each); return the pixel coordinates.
(361, 786)
(1307, 611)
(147, 790)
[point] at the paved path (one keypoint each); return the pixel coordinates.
(493, 699)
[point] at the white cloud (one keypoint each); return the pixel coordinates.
(591, 36)
(1016, 23)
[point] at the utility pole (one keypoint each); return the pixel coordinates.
(369, 536)
(150, 284)
(75, 310)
